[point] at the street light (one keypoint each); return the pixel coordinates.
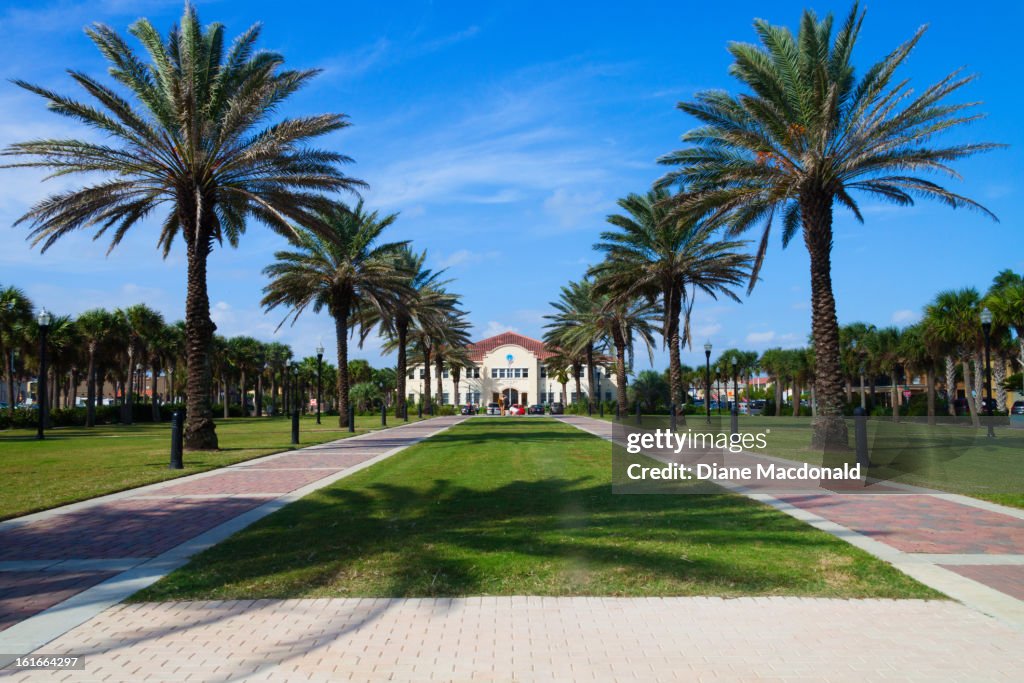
(44, 320)
(735, 395)
(860, 370)
(986, 326)
(707, 379)
(319, 365)
(295, 387)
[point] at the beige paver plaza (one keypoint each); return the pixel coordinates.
(542, 639)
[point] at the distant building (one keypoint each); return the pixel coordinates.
(510, 367)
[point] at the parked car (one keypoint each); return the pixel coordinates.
(756, 407)
(1018, 408)
(469, 410)
(535, 409)
(516, 409)
(493, 409)
(557, 409)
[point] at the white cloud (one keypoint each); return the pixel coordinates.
(494, 328)
(706, 330)
(760, 337)
(904, 316)
(466, 256)
(573, 208)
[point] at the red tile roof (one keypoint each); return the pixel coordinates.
(477, 350)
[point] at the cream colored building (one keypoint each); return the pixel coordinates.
(511, 367)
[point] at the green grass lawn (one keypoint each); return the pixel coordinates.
(523, 507)
(74, 463)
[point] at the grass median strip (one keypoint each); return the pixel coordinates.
(74, 464)
(523, 507)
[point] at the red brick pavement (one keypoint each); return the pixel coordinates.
(920, 523)
(250, 480)
(1007, 579)
(324, 459)
(23, 594)
(124, 528)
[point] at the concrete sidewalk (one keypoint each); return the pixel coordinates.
(61, 567)
(969, 549)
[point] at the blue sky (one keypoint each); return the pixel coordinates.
(504, 133)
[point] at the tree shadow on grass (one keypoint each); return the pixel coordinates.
(554, 536)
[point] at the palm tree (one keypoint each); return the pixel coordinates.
(341, 269)
(620, 321)
(189, 140)
(95, 326)
(422, 295)
(15, 316)
(450, 342)
(277, 356)
(807, 135)
(669, 260)
(576, 301)
(142, 324)
(889, 347)
(246, 355)
(953, 321)
(1005, 298)
(853, 344)
(921, 353)
(651, 389)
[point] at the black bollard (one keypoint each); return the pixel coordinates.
(617, 415)
(295, 427)
(351, 418)
(419, 410)
(383, 415)
(734, 421)
(672, 417)
(405, 412)
(860, 430)
(601, 404)
(638, 418)
(590, 409)
(177, 441)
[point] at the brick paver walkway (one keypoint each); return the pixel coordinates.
(49, 557)
(542, 639)
(933, 536)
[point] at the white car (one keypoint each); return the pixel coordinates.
(493, 409)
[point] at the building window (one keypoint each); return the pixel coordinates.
(412, 373)
(579, 373)
(423, 373)
(444, 373)
(444, 398)
(607, 395)
(543, 371)
(526, 372)
(494, 373)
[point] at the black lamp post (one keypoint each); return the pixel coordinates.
(319, 366)
(707, 379)
(986, 326)
(296, 401)
(735, 394)
(718, 394)
(44, 326)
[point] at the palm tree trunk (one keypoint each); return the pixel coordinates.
(226, 383)
(576, 369)
(439, 362)
(829, 427)
(127, 407)
(796, 398)
(200, 430)
(778, 395)
(273, 392)
(951, 386)
(849, 391)
(973, 409)
(929, 374)
(11, 398)
(90, 380)
(590, 377)
(455, 386)
(673, 309)
(620, 369)
(402, 332)
(894, 391)
(341, 332)
(979, 392)
(153, 401)
(565, 386)
(425, 396)
(999, 380)
(259, 395)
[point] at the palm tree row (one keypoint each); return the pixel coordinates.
(196, 141)
(808, 133)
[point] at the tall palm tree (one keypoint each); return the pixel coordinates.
(190, 141)
(142, 324)
(343, 270)
(889, 347)
(15, 316)
(921, 353)
(450, 349)
(807, 135)
(773, 362)
(95, 326)
(576, 301)
(277, 357)
(953, 320)
(422, 296)
(622, 322)
(669, 260)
